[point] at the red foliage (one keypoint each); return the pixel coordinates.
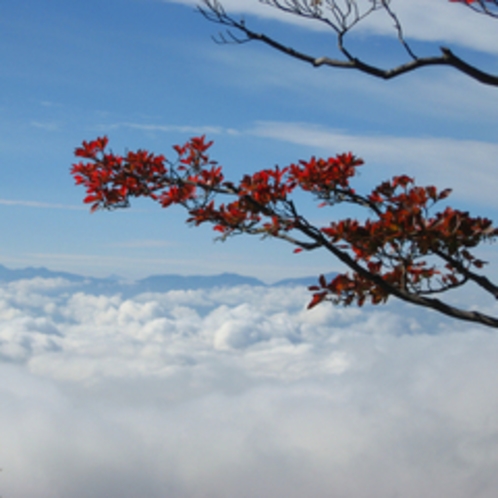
(400, 248)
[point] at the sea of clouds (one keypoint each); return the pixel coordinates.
(240, 392)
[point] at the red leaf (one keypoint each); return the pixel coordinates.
(317, 299)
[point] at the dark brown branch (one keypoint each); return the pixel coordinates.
(432, 303)
(215, 12)
(302, 225)
(482, 7)
(399, 29)
(290, 218)
(480, 280)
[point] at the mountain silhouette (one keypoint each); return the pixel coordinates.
(153, 283)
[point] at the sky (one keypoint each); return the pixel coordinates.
(147, 74)
(232, 391)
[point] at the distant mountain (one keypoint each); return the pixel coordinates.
(154, 283)
(8, 275)
(304, 281)
(160, 283)
(90, 285)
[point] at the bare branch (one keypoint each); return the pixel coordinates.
(483, 8)
(399, 29)
(342, 24)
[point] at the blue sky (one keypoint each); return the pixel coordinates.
(147, 74)
(234, 391)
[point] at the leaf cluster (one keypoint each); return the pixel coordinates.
(402, 248)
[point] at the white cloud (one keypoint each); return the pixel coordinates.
(170, 128)
(47, 126)
(440, 21)
(38, 205)
(424, 20)
(464, 165)
(240, 392)
(139, 243)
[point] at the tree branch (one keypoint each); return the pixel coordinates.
(480, 280)
(384, 254)
(432, 303)
(300, 224)
(215, 12)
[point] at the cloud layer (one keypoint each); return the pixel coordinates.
(442, 161)
(240, 392)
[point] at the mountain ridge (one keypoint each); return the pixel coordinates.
(152, 283)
